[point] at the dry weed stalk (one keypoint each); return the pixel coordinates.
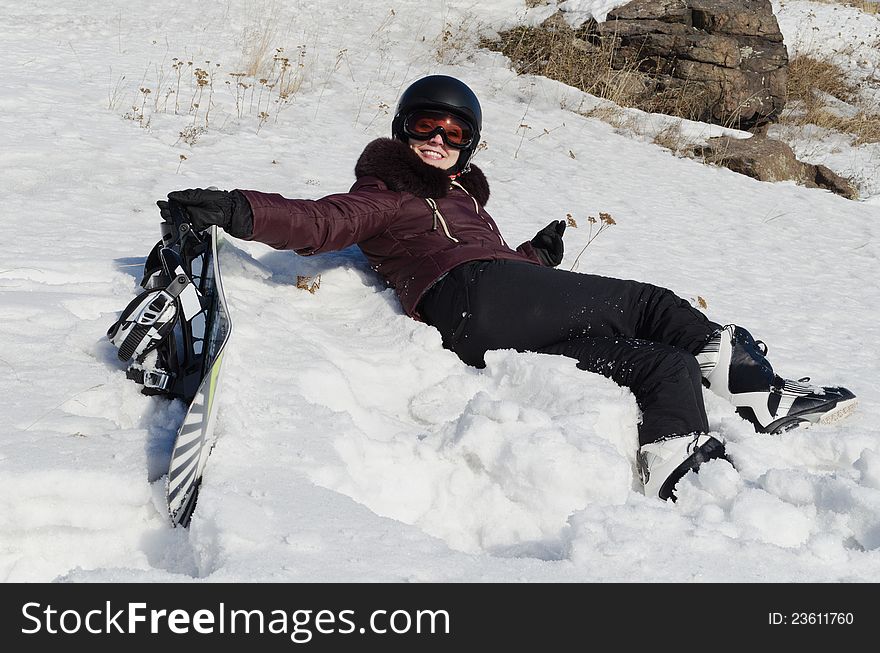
(455, 44)
(191, 134)
(113, 94)
(605, 221)
(137, 113)
(259, 98)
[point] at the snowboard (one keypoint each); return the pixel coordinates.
(195, 437)
(174, 334)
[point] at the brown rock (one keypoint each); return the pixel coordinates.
(731, 51)
(737, 17)
(827, 178)
(767, 159)
(668, 10)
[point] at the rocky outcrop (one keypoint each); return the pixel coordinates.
(718, 61)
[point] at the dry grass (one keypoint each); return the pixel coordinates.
(806, 75)
(864, 126)
(258, 52)
(258, 38)
(592, 63)
(672, 138)
(688, 100)
(563, 56)
(618, 117)
(810, 82)
(863, 5)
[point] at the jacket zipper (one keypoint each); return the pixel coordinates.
(438, 217)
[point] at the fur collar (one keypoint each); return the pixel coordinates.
(402, 170)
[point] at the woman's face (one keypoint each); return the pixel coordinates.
(435, 152)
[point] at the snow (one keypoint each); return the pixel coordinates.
(580, 11)
(352, 446)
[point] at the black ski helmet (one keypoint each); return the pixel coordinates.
(443, 93)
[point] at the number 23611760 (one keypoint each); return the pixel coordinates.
(809, 618)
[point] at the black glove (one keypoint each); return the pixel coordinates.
(547, 243)
(228, 210)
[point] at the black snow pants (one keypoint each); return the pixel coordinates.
(641, 336)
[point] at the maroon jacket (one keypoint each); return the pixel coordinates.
(410, 221)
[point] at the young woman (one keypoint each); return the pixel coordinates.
(417, 211)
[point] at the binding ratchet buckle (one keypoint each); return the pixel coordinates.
(146, 321)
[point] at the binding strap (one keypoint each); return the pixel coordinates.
(147, 319)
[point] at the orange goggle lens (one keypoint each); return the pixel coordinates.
(424, 125)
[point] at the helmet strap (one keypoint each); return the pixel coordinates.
(454, 176)
(466, 169)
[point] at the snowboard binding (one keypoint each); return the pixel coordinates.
(161, 331)
(734, 366)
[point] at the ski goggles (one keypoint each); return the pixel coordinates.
(423, 125)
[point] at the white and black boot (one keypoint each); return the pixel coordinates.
(662, 464)
(733, 366)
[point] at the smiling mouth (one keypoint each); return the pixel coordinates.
(431, 154)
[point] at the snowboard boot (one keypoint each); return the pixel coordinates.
(733, 366)
(662, 464)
